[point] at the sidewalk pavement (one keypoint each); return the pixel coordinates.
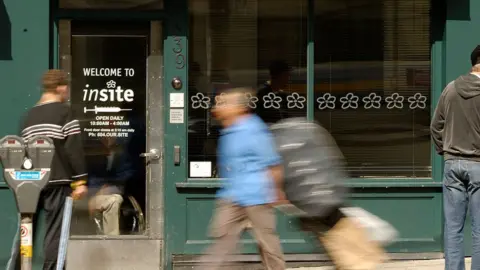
(400, 265)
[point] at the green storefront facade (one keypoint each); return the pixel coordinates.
(423, 51)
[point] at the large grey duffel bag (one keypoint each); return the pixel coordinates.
(314, 166)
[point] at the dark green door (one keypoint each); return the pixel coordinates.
(229, 43)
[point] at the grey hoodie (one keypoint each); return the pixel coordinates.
(455, 125)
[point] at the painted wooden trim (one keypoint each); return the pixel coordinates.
(391, 183)
(188, 259)
(311, 61)
(437, 70)
(108, 15)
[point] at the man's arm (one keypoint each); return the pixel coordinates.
(276, 172)
(438, 123)
(269, 158)
(74, 150)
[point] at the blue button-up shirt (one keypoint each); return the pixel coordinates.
(245, 152)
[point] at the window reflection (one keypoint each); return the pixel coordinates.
(372, 83)
(275, 104)
(109, 95)
(253, 43)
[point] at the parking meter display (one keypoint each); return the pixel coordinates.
(28, 175)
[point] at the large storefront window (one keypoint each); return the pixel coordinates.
(250, 43)
(372, 83)
(109, 96)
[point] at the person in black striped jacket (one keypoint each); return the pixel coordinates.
(52, 117)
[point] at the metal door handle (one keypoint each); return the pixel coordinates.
(176, 155)
(153, 154)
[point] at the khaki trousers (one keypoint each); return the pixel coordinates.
(228, 223)
(109, 207)
(349, 247)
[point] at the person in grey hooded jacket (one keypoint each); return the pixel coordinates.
(455, 132)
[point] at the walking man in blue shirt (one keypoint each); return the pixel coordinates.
(253, 173)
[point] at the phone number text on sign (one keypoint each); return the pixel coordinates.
(108, 132)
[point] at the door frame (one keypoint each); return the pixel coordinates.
(149, 245)
(154, 119)
(176, 66)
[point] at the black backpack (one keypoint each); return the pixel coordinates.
(314, 175)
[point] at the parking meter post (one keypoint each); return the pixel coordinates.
(65, 233)
(26, 170)
(26, 241)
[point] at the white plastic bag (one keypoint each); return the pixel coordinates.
(378, 229)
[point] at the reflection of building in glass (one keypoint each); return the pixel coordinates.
(274, 103)
(369, 85)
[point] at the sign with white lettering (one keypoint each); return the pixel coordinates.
(109, 105)
(111, 93)
(109, 89)
(177, 116)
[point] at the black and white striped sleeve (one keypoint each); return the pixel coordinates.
(49, 130)
(74, 148)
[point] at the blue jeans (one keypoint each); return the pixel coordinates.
(461, 184)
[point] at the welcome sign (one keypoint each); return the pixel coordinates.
(110, 87)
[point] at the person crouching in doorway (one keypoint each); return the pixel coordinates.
(108, 184)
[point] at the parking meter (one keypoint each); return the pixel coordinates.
(26, 171)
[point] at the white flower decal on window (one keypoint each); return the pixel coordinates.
(372, 101)
(418, 101)
(326, 101)
(220, 100)
(199, 100)
(252, 100)
(349, 101)
(111, 84)
(394, 101)
(294, 100)
(271, 101)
